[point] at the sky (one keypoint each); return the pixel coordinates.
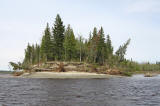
(23, 21)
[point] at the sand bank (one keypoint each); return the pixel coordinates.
(63, 75)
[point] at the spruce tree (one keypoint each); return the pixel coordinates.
(92, 46)
(28, 55)
(120, 53)
(58, 35)
(46, 45)
(33, 58)
(109, 48)
(101, 47)
(69, 44)
(37, 54)
(94, 32)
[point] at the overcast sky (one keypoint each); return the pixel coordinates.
(23, 21)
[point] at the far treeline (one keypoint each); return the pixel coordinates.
(60, 44)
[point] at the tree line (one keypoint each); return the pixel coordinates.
(60, 44)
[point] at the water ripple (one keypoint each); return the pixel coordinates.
(135, 91)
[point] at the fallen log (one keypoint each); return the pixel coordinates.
(42, 69)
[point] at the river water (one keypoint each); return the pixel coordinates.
(133, 91)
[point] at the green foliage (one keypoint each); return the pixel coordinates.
(101, 47)
(46, 49)
(109, 48)
(127, 73)
(69, 44)
(92, 46)
(28, 54)
(98, 49)
(32, 56)
(120, 53)
(16, 66)
(37, 54)
(80, 49)
(58, 36)
(149, 67)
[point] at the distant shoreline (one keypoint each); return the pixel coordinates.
(5, 72)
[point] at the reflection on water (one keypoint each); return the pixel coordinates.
(134, 91)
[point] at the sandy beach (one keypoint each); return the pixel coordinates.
(64, 75)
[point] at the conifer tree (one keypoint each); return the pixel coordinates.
(46, 44)
(69, 44)
(58, 35)
(101, 47)
(28, 55)
(33, 58)
(120, 53)
(109, 48)
(37, 54)
(92, 46)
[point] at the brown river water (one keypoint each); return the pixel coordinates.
(126, 91)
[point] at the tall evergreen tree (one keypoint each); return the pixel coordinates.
(42, 49)
(58, 35)
(94, 32)
(69, 44)
(28, 56)
(46, 44)
(92, 46)
(37, 54)
(101, 47)
(33, 58)
(109, 47)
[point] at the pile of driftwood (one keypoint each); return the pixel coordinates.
(60, 66)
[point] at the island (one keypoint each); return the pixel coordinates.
(62, 54)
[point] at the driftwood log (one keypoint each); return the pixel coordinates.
(61, 67)
(42, 69)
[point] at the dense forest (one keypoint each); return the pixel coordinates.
(59, 43)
